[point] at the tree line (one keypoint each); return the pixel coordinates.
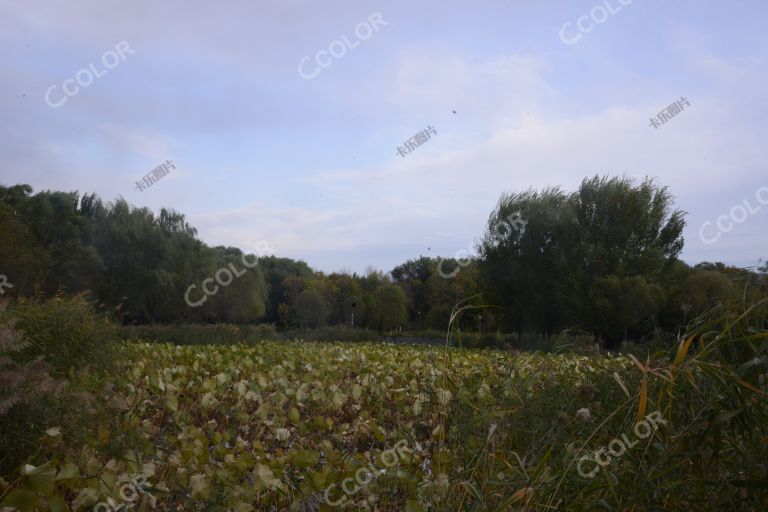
(602, 259)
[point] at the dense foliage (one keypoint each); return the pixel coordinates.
(42, 345)
(282, 426)
(602, 260)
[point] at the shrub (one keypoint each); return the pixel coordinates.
(26, 388)
(261, 332)
(710, 389)
(199, 334)
(65, 331)
(330, 334)
(20, 383)
(490, 340)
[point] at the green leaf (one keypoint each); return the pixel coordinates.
(750, 484)
(726, 416)
(208, 401)
(57, 504)
(472, 490)
(172, 403)
(54, 432)
(68, 471)
(338, 399)
(282, 434)
(198, 485)
(413, 506)
(24, 500)
(265, 477)
(305, 458)
(40, 479)
(357, 391)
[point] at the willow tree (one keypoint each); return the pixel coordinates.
(552, 270)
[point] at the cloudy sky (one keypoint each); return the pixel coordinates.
(284, 118)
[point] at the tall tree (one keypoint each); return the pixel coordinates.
(275, 271)
(308, 309)
(546, 271)
(387, 309)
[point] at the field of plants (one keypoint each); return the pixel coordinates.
(363, 426)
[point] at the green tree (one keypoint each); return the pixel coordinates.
(524, 261)
(23, 260)
(546, 271)
(309, 309)
(705, 288)
(347, 299)
(276, 270)
(432, 286)
(620, 304)
(244, 299)
(388, 308)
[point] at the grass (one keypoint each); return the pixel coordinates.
(272, 426)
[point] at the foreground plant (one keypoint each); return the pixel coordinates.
(274, 426)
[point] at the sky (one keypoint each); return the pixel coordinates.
(283, 120)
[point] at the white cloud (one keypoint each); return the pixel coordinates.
(411, 201)
(523, 120)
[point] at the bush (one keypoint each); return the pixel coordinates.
(20, 383)
(39, 343)
(65, 331)
(427, 333)
(710, 389)
(490, 340)
(330, 334)
(25, 390)
(199, 334)
(465, 339)
(261, 332)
